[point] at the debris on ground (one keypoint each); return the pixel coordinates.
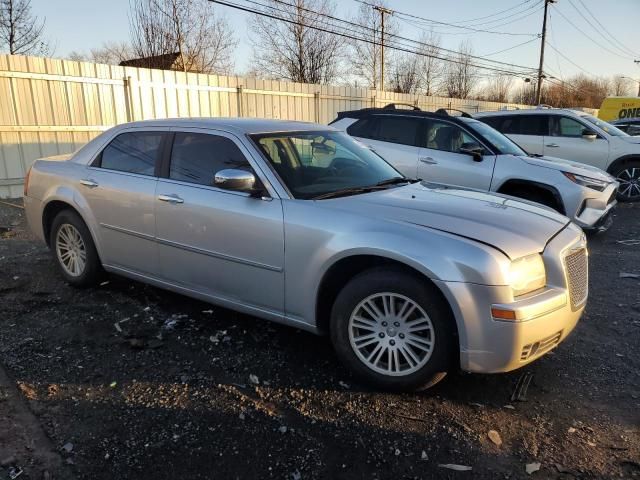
(15, 472)
(453, 466)
(424, 456)
(67, 447)
(630, 242)
(344, 384)
(532, 467)
(495, 437)
(254, 379)
(522, 385)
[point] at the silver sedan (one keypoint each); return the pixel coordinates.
(300, 224)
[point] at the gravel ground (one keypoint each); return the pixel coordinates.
(128, 381)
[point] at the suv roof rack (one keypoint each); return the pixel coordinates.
(544, 105)
(394, 106)
(445, 112)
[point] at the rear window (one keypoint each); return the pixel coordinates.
(518, 124)
(387, 128)
(132, 152)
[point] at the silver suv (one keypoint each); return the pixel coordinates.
(575, 136)
(463, 152)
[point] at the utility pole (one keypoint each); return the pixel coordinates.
(544, 37)
(382, 11)
(637, 62)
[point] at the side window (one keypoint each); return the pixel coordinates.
(197, 157)
(402, 130)
(532, 124)
(363, 128)
(494, 122)
(132, 152)
(566, 127)
(445, 136)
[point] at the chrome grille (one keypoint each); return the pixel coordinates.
(576, 265)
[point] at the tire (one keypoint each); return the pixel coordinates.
(628, 174)
(419, 372)
(72, 246)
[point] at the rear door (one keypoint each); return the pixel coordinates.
(526, 130)
(565, 141)
(222, 243)
(393, 137)
(119, 186)
(441, 161)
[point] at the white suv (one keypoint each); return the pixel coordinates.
(575, 136)
(462, 152)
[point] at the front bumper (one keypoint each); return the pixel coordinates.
(543, 319)
(593, 209)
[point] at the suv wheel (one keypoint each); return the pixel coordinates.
(74, 250)
(629, 177)
(393, 330)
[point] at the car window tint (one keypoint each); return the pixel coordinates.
(392, 129)
(133, 152)
(566, 127)
(494, 122)
(363, 128)
(445, 136)
(521, 125)
(197, 157)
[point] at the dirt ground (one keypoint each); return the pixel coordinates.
(125, 381)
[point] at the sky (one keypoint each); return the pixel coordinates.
(83, 24)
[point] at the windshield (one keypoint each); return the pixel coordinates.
(607, 127)
(314, 164)
(503, 144)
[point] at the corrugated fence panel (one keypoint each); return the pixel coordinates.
(50, 107)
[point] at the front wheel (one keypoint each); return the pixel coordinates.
(629, 177)
(393, 330)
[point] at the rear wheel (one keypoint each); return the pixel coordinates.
(629, 177)
(74, 249)
(393, 330)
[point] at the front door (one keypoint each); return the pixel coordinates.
(225, 244)
(440, 160)
(566, 141)
(119, 186)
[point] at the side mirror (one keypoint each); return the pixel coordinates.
(588, 134)
(473, 149)
(236, 180)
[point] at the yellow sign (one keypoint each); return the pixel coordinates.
(615, 108)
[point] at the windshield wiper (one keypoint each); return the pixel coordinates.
(393, 181)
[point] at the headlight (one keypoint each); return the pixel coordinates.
(588, 182)
(527, 274)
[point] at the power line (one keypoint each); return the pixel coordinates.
(624, 47)
(596, 28)
(402, 46)
(510, 48)
(431, 21)
(570, 61)
(588, 37)
(494, 14)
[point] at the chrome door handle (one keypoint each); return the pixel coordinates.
(428, 160)
(170, 198)
(553, 145)
(88, 183)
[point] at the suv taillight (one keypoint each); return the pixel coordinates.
(26, 182)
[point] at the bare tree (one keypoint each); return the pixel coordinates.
(292, 49)
(203, 41)
(111, 53)
(498, 88)
(364, 56)
(461, 76)
(405, 74)
(620, 86)
(431, 67)
(21, 33)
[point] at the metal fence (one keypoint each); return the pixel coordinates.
(49, 107)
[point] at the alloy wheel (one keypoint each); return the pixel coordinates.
(71, 250)
(629, 179)
(391, 334)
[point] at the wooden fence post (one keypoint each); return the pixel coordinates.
(239, 90)
(316, 101)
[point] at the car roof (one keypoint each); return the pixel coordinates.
(240, 126)
(624, 120)
(530, 111)
(365, 112)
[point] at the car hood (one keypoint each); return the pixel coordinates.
(568, 166)
(630, 139)
(515, 227)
